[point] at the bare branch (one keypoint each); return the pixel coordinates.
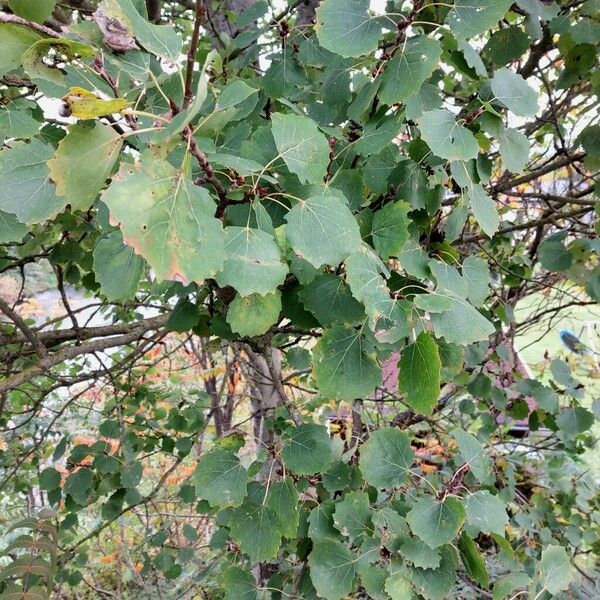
(27, 332)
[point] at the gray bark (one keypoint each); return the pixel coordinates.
(264, 374)
(217, 17)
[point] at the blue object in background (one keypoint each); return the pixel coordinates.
(572, 342)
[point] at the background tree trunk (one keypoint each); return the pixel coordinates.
(154, 8)
(306, 12)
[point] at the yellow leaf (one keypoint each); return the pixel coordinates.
(86, 105)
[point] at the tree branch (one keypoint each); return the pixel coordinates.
(74, 351)
(46, 31)
(553, 166)
(58, 336)
(191, 55)
(27, 332)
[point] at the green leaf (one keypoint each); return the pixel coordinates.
(17, 121)
(427, 98)
(462, 324)
(171, 223)
(372, 578)
(486, 513)
(484, 209)
(469, 18)
(322, 230)
(282, 499)
(26, 566)
(340, 476)
(514, 149)
(320, 521)
(447, 138)
(508, 584)
(332, 569)
(473, 560)
(352, 516)
(302, 146)
(220, 478)
(244, 166)
(456, 220)
(70, 168)
(420, 368)
(253, 264)
(254, 314)
(344, 366)
(390, 229)
(25, 187)
(49, 479)
(329, 298)
(183, 317)
(420, 554)
(474, 456)
(553, 253)
(386, 458)
(234, 93)
(574, 421)
(79, 485)
(363, 273)
(472, 58)
(448, 279)
(161, 40)
(414, 259)
(131, 474)
(389, 318)
(514, 93)
(436, 522)
(378, 133)
(238, 584)
(33, 59)
(476, 274)
(256, 528)
(33, 10)
(506, 44)
(307, 449)
(554, 570)
(436, 584)
(399, 587)
(11, 230)
(346, 28)
(14, 40)
(409, 69)
(117, 268)
(452, 357)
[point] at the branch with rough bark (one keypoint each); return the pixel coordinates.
(71, 352)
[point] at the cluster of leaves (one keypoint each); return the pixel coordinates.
(336, 183)
(36, 574)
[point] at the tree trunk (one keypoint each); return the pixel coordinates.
(153, 7)
(265, 378)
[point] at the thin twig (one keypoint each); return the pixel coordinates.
(8, 18)
(27, 332)
(71, 352)
(191, 55)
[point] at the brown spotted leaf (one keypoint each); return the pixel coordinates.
(167, 220)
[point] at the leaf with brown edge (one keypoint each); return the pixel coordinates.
(167, 220)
